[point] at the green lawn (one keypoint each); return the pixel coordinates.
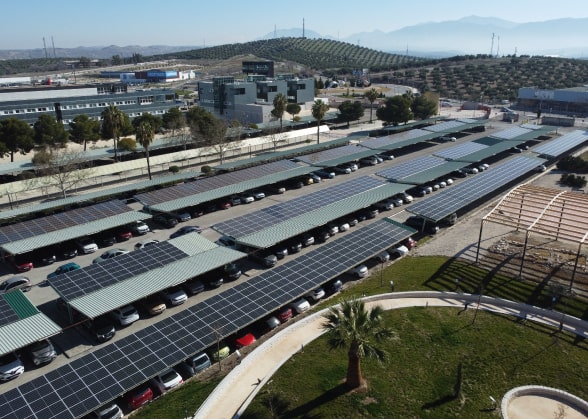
(495, 354)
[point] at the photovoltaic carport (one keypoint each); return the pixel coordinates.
(562, 215)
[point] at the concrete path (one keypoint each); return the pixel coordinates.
(239, 387)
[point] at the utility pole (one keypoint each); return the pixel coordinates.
(492, 45)
(45, 47)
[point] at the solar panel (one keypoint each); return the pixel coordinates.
(511, 133)
(563, 144)
(7, 314)
(258, 220)
(450, 200)
(388, 140)
(97, 378)
(329, 154)
(410, 168)
(84, 281)
(460, 150)
(448, 126)
(72, 218)
(214, 182)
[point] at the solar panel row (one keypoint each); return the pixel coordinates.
(410, 168)
(562, 144)
(99, 377)
(7, 314)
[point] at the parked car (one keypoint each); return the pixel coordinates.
(166, 380)
(224, 204)
(198, 362)
(41, 352)
(295, 184)
(316, 294)
(125, 315)
(214, 281)
(384, 205)
(470, 170)
(139, 228)
(152, 305)
(46, 256)
(235, 200)
(300, 306)
(541, 168)
(232, 271)
(165, 221)
(334, 286)
(67, 250)
(315, 178)
(385, 156)
(194, 287)
(284, 314)
(447, 139)
(11, 367)
(16, 283)
(123, 234)
(257, 194)
(368, 161)
(247, 198)
(332, 229)
(449, 181)
(460, 173)
(86, 245)
(105, 239)
(174, 296)
(109, 254)
(345, 170)
(227, 242)
(267, 260)
(382, 257)
(102, 328)
(277, 189)
(245, 340)
(344, 227)
(420, 224)
(220, 354)
(111, 411)
(145, 243)
(322, 236)
(409, 243)
(325, 174)
(185, 230)
(307, 240)
(360, 271)
(406, 197)
(281, 252)
(399, 251)
(68, 267)
(294, 246)
(139, 396)
(182, 217)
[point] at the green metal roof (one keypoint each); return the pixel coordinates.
(31, 327)
(490, 151)
(319, 217)
(42, 240)
(95, 196)
(203, 256)
(433, 173)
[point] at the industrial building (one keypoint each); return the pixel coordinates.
(572, 101)
(67, 102)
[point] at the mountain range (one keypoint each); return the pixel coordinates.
(468, 35)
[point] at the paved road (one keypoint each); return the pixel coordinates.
(239, 387)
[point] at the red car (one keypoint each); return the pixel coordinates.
(284, 314)
(244, 340)
(22, 263)
(124, 235)
(139, 396)
(409, 243)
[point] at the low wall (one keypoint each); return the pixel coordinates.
(548, 392)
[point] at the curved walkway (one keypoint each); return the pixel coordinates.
(230, 398)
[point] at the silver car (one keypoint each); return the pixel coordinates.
(15, 283)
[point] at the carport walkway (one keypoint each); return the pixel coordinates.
(239, 387)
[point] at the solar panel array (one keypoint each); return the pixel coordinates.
(258, 220)
(7, 314)
(215, 182)
(448, 126)
(511, 133)
(330, 154)
(562, 144)
(452, 199)
(100, 275)
(72, 218)
(94, 379)
(387, 140)
(460, 150)
(410, 168)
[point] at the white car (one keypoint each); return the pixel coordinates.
(399, 251)
(174, 296)
(382, 257)
(449, 181)
(316, 294)
(167, 380)
(406, 198)
(10, 367)
(126, 315)
(86, 245)
(247, 198)
(146, 243)
(300, 306)
(112, 411)
(109, 254)
(257, 195)
(139, 228)
(384, 205)
(344, 227)
(360, 271)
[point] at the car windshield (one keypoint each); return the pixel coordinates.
(169, 376)
(128, 312)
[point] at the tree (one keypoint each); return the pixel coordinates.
(319, 109)
(155, 121)
(423, 108)
(62, 169)
(113, 122)
(208, 131)
(116, 60)
(174, 120)
(349, 111)
(280, 103)
(276, 137)
(350, 325)
(145, 135)
(49, 132)
(371, 95)
(293, 109)
(16, 136)
(84, 129)
(396, 109)
(127, 144)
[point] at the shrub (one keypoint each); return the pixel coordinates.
(207, 170)
(174, 169)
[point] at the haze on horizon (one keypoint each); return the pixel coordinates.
(70, 24)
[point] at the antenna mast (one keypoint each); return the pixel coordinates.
(492, 45)
(498, 46)
(45, 47)
(303, 36)
(53, 45)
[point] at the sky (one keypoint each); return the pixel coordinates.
(73, 23)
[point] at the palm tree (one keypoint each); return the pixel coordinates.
(145, 135)
(280, 103)
(371, 95)
(350, 325)
(113, 121)
(319, 109)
